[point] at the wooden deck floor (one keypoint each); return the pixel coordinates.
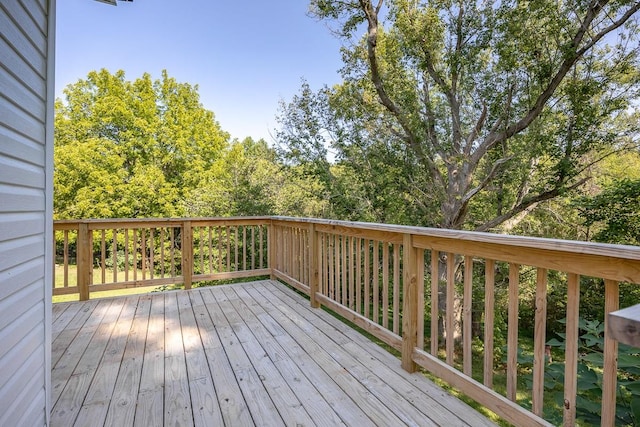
(237, 355)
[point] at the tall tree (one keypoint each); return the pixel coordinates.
(131, 148)
(493, 107)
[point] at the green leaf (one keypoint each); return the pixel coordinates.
(635, 410)
(554, 342)
(632, 386)
(628, 361)
(595, 358)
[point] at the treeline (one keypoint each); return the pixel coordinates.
(145, 148)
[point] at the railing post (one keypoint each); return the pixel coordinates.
(313, 265)
(83, 260)
(410, 304)
(187, 254)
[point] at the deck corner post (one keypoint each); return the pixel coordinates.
(83, 260)
(313, 265)
(410, 305)
(187, 254)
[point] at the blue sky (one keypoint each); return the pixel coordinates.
(244, 55)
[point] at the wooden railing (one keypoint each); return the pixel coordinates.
(411, 287)
(117, 254)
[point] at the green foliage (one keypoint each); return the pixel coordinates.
(616, 212)
(143, 148)
(249, 180)
(590, 362)
(129, 149)
(467, 114)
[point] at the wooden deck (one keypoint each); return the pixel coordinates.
(236, 355)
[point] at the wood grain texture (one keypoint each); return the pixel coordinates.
(610, 368)
(624, 325)
(247, 354)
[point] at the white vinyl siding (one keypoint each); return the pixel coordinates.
(26, 81)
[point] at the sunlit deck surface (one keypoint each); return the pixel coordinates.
(236, 355)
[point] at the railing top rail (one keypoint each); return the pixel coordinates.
(163, 220)
(545, 244)
(570, 246)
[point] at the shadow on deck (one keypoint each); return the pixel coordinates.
(241, 355)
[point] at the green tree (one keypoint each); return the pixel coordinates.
(491, 107)
(131, 148)
(248, 180)
(615, 212)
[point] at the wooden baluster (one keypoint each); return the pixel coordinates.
(539, 336)
(359, 275)
(489, 316)
(103, 256)
(172, 238)
(375, 277)
(271, 252)
(420, 297)
(210, 248)
(220, 249)
(322, 263)
(352, 273)
(512, 332)
(344, 288)
(332, 268)
(201, 249)
(450, 314)
(236, 245)
(152, 258)
(314, 258)
(162, 259)
(187, 254)
(571, 350)
(385, 285)
(135, 254)
(261, 239)
(253, 248)
(114, 255)
(143, 249)
(467, 316)
(228, 235)
(244, 247)
(396, 289)
(367, 277)
(65, 257)
(435, 266)
(126, 254)
(610, 374)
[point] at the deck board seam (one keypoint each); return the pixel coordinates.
(382, 353)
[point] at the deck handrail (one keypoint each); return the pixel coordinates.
(380, 277)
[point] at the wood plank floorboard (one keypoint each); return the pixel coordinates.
(246, 354)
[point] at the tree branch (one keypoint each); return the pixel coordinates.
(372, 38)
(487, 179)
(569, 61)
(547, 195)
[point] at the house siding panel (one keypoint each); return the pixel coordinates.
(13, 89)
(26, 95)
(21, 69)
(15, 34)
(18, 147)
